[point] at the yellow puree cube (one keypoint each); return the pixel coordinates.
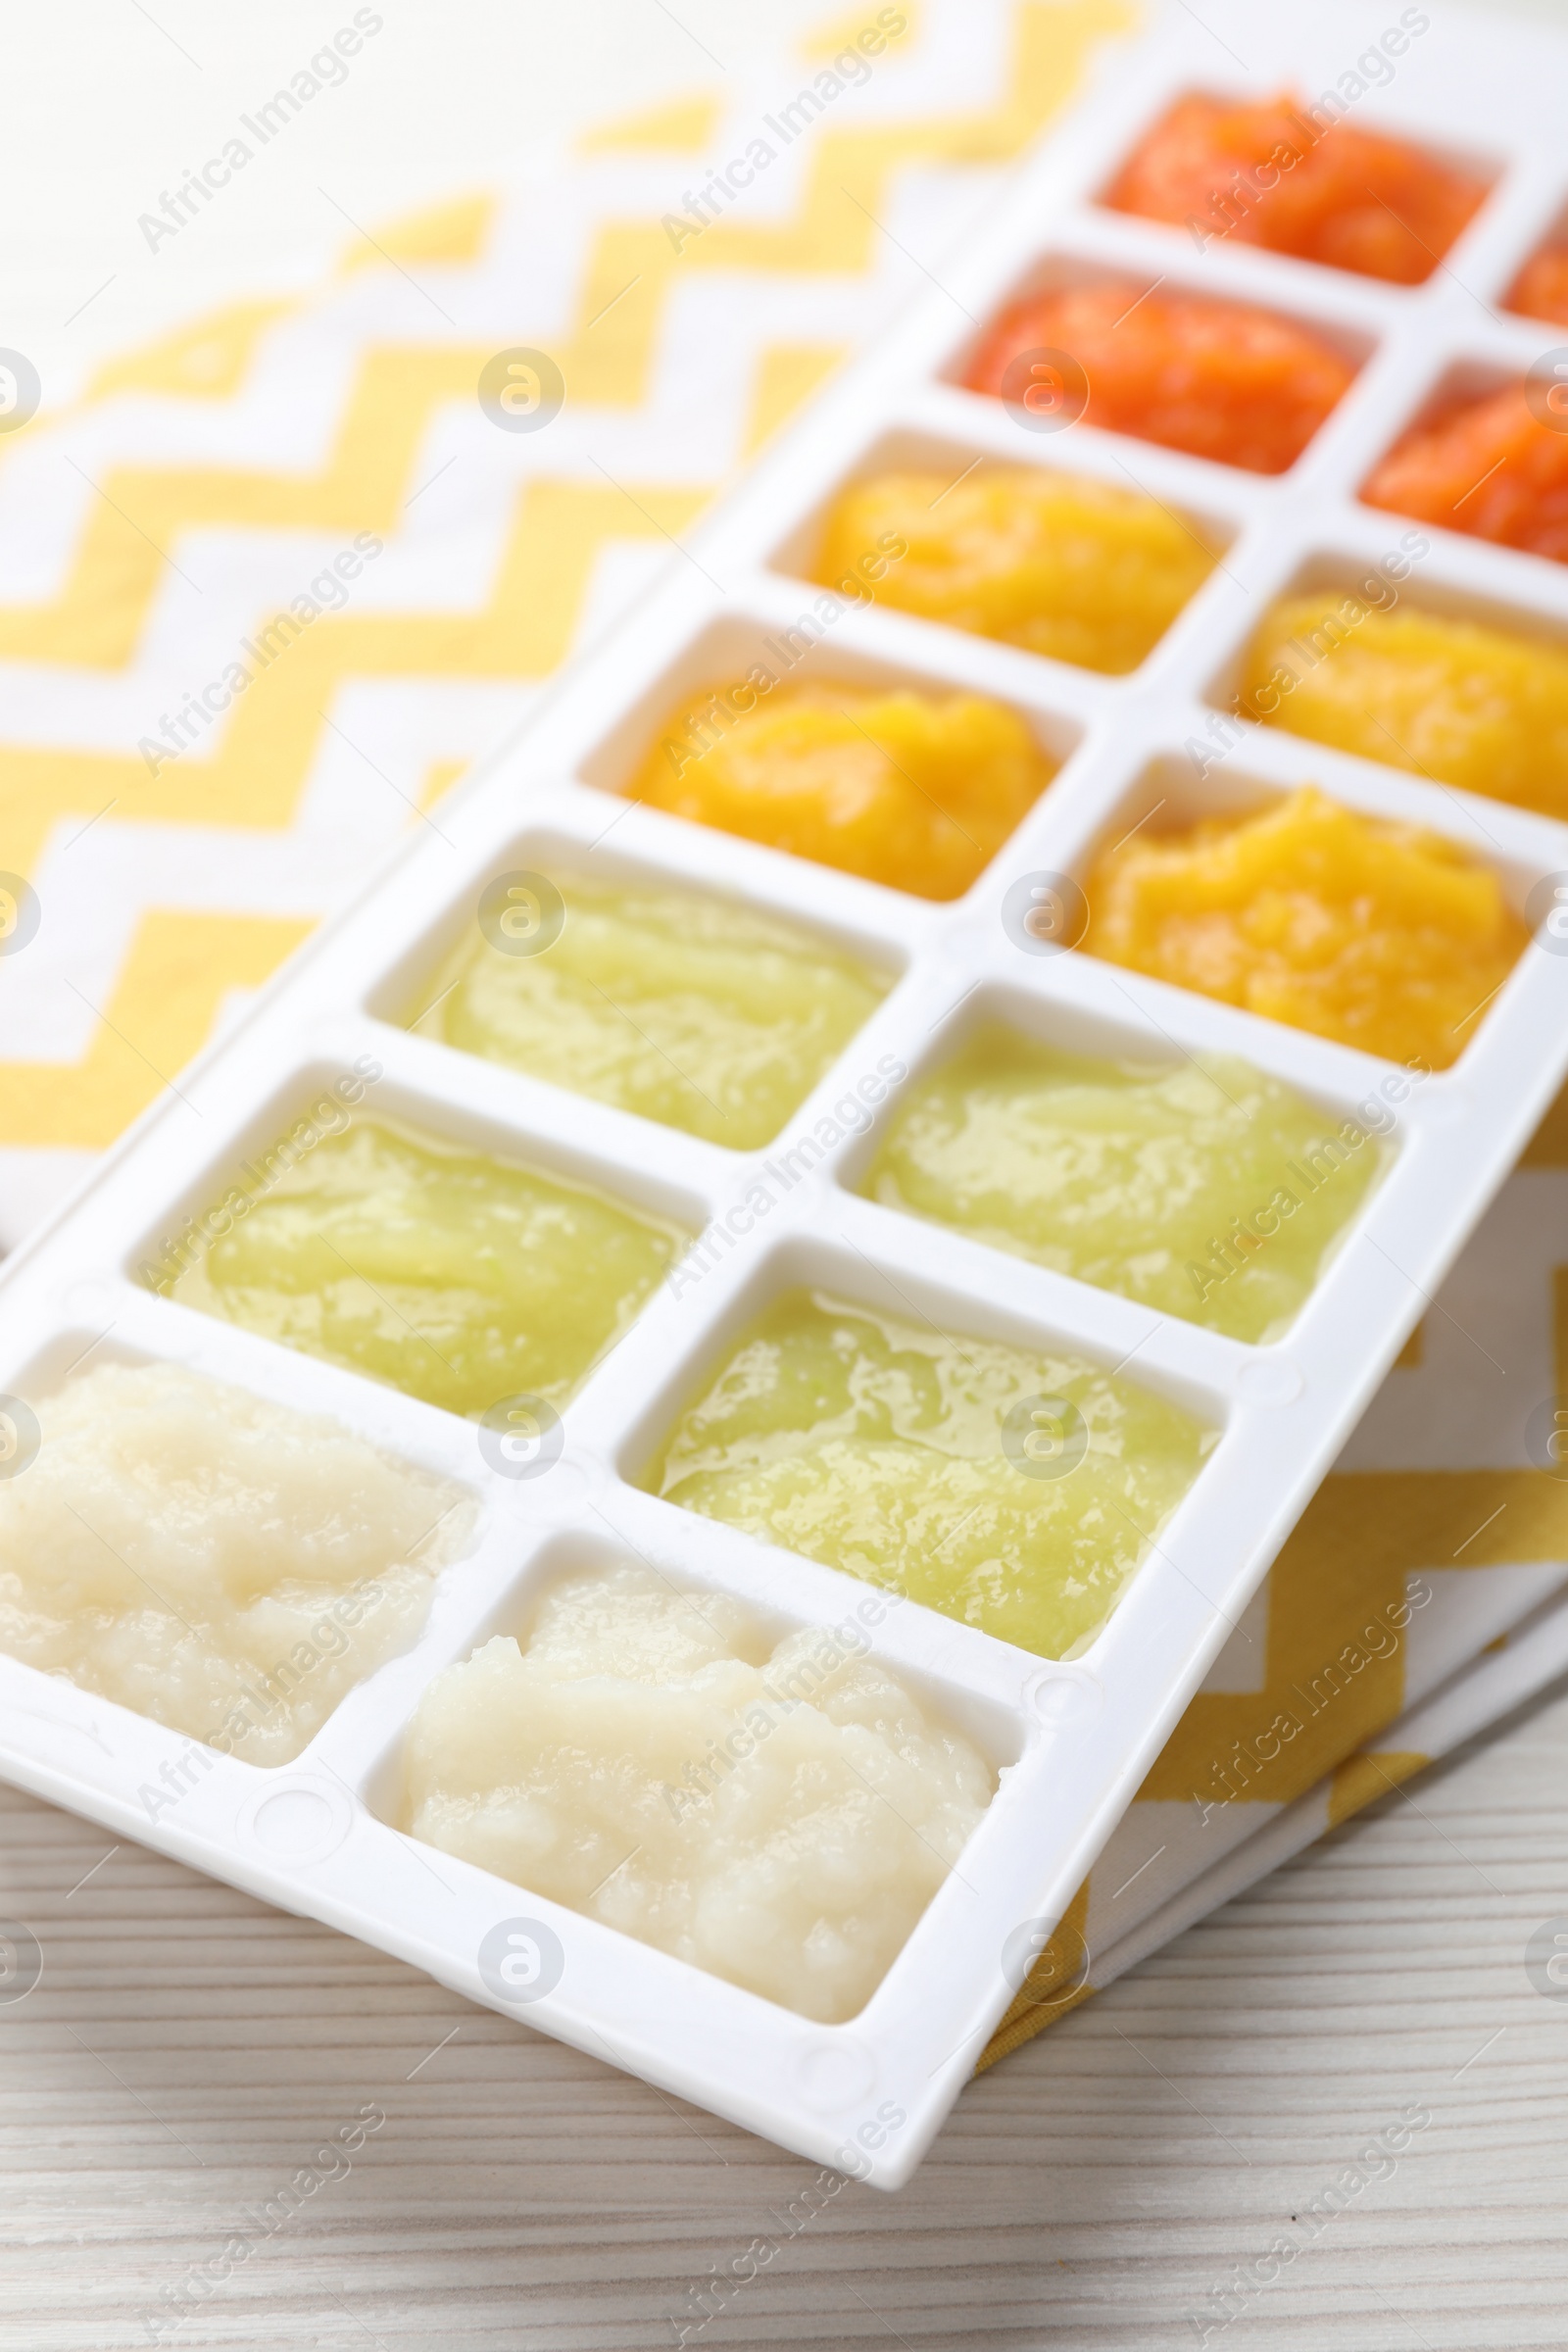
(1077, 570)
(914, 789)
(1381, 935)
(1467, 706)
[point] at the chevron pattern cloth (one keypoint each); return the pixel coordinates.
(271, 584)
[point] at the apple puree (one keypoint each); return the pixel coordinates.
(779, 1812)
(689, 1009)
(1012, 1489)
(227, 1566)
(1207, 1191)
(455, 1276)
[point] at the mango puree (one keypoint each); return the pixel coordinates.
(917, 791)
(1056, 565)
(1464, 705)
(1381, 935)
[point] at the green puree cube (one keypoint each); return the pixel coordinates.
(1206, 1191)
(457, 1277)
(1014, 1490)
(685, 1008)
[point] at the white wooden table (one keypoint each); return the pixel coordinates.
(187, 2050)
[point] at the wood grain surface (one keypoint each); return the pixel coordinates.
(187, 2051)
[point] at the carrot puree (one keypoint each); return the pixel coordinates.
(1540, 289)
(1289, 176)
(1219, 380)
(1491, 467)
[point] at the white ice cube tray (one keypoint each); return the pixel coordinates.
(1073, 1738)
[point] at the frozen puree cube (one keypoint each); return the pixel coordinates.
(1381, 935)
(1451, 700)
(458, 1276)
(779, 1812)
(918, 791)
(1012, 1489)
(1078, 569)
(227, 1566)
(1292, 175)
(1222, 380)
(1496, 468)
(1212, 1191)
(1540, 289)
(690, 1010)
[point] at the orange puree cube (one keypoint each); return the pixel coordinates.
(917, 791)
(1221, 380)
(1291, 176)
(1385, 937)
(1466, 706)
(1488, 466)
(1077, 570)
(1540, 289)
